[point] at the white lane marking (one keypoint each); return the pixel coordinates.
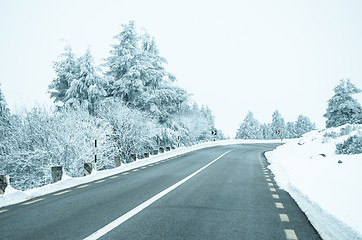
(34, 201)
(83, 186)
(284, 217)
(276, 196)
(60, 193)
(151, 165)
(135, 170)
(268, 180)
(143, 167)
(125, 173)
(273, 190)
(101, 232)
(4, 210)
(270, 184)
(279, 205)
(113, 177)
(266, 176)
(290, 234)
(100, 181)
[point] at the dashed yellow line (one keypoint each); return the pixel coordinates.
(100, 181)
(270, 184)
(4, 210)
(268, 180)
(267, 176)
(290, 234)
(276, 196)
(143, 167)
(113, 177)
(60, 193)
(284, 217)
(125, 173)
(34, 201)
(279, 205)
(273, 190)
(83, 186)
(135, 170)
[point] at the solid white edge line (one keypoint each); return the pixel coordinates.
(109, 227)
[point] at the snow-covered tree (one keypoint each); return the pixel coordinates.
(125, 66)
(278, 125)
(4, 110)
(303, 125)
(249, 128)
(66, 70)
(87, 89)
(342, 107)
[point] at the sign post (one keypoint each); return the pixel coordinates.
(95, 152)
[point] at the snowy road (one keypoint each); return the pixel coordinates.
(217, 193)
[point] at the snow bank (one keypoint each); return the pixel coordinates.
(13, 196)
(329, 192)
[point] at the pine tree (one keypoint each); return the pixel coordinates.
(249, 128)
(342, 107)
(278, 125)
(87, 89)
(4, 110)
(303, 125)
(125, 65)
(66, 70)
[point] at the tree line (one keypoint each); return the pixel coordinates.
(130, 102)
(251, 128)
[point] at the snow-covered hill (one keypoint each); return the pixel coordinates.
(327, 186)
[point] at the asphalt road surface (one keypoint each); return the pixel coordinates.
(216, 193)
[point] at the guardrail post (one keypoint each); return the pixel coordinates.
(57, 173)
(147, 154)
(87, 168)
(3, 184)
(162, 150)
(117, 161)
(133, 157)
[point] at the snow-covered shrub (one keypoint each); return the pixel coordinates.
(42, 139)
(353, 145)
(132, 131)
(329, 135)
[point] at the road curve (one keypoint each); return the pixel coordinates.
(222, 192)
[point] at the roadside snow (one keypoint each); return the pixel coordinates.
(13, 196)
(330, 193)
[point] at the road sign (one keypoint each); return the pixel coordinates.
(277, 132)
(214, 132)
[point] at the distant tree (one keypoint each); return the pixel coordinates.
(290, 131)
(66, 70)
(249, 128)
(87, 89)
(342, 107)
(266, 131)
(278, 124)
(4, 110)
(303, 125)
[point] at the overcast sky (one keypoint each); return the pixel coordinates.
(234, 56)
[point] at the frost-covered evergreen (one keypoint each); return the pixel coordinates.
(87, 89)
(249, 128)
(66, 70)
(278, 124)
(126, 64)
(303, 125)
(342, 107)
